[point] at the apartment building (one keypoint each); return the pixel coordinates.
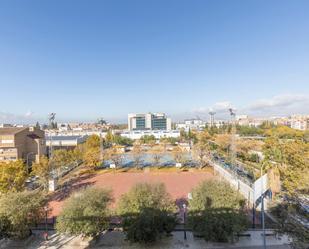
(25, 143)
(149, 121)
(300, 122)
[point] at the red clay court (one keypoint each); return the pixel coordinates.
(178, 184)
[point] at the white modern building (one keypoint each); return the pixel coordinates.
(149, 121)
(137, 134)
(64, 142)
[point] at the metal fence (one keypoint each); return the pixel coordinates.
(243, 188)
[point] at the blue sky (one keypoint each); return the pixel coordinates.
(87, 59)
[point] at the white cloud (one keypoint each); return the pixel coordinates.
(29, 114)
(218, 107)
(7, 117)
(285, 104)
(279, 101)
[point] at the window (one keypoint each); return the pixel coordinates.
(7, 141)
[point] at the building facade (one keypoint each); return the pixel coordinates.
(300, 122)
(64, 142)
(158, 134)
(191, 124)
(149, 121)
(25, 143)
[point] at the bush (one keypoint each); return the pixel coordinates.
(85, 213)
(148, 212)
(216, 211)
(218, 225)
(144, 195)
(215, 194)
(19, 212)
(148, 225)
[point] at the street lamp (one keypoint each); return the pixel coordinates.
(184, 221)
(46, 232)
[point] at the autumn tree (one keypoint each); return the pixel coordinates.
(137, 155)
(116, 156)
(42, 169)
(201, 153)
(291, 158)
(157, 154)
(92, 153)
(178, 155)
(13, 175)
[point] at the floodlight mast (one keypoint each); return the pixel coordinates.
(51, 118)
(233, 132)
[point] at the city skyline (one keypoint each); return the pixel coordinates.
(84, 61)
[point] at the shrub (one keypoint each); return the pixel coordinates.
(148, 212)
(85, 213)
(19, 212)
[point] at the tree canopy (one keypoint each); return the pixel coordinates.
(85, 212)
(20, 211)
(147, 211)
(13, 175)
(144, 195)
(215, 194)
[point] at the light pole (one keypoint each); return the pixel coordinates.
(46, 232)
(184, 221)
(262, 209)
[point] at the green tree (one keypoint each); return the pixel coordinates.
(85, 212)
(219, 224)
(144, 195)
(147, 212)
(13, 175)
(215, 194)
(148, 139)
(20, 211)
(216, 211)
(148, 225)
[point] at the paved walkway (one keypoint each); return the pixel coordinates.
(116, 240)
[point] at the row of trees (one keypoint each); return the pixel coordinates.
(13, 174)
(147, 212)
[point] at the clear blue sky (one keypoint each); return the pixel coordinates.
(86, 59)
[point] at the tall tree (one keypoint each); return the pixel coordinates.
(92, 157)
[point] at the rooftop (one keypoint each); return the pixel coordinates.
(58, 138)
(11, 130)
